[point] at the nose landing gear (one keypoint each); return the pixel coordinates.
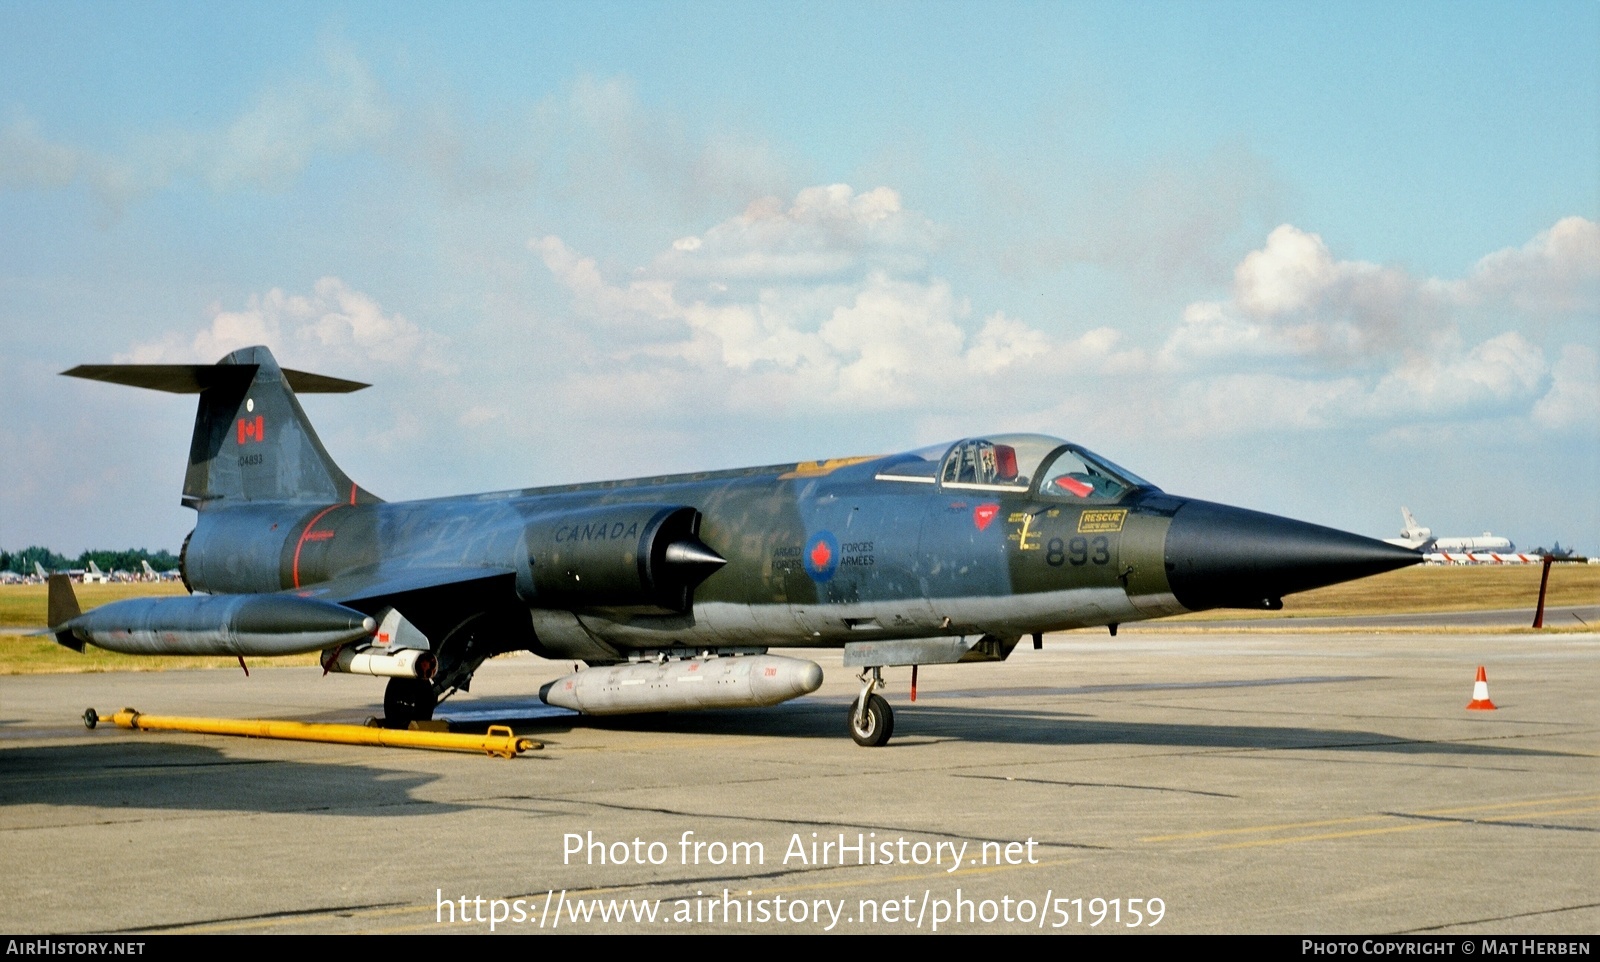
(871, 718)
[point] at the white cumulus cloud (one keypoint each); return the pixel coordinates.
(824, 303)
(1574, 395)
(825, 232)
(334, 325)
(271, 141)
(1506, 369)
(29, 160)
(823, 298)
(1293, 298)
(1557, 271)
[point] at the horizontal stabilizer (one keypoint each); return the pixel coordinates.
(194, 378)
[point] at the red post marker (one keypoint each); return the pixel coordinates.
(913, 682)
(1544, 581)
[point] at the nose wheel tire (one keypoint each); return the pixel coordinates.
(407, 700)
(873, 726)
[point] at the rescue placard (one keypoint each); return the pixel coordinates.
(1098, 521)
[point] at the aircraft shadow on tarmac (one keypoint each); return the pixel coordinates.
(922, 724)
(169, 775)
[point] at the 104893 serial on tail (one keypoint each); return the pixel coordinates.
(671, 590)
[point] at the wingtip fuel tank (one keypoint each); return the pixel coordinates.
(257, 625)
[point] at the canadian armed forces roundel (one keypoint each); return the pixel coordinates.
(822, 556)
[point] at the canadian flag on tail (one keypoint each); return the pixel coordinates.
(255, 430)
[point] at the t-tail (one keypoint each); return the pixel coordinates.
(252, 441)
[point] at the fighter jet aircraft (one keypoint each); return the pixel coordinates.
(673, 589)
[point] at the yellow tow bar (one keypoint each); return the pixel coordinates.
(498, 740)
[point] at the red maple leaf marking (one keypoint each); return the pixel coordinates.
(820, 555)
(983, 514)
(252, 430)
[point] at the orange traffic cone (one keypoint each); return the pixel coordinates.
(1480, 693)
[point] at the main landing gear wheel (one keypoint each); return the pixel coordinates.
(407, 700)
(873, 726)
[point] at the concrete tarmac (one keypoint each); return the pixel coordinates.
(1153, 782)
(1563, 616)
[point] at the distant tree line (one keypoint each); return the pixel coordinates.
(22, 561)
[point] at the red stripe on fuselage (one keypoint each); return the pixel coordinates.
(306, 536)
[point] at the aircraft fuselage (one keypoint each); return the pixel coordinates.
(933, 556)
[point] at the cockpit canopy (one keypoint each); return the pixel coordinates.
(1018, 463)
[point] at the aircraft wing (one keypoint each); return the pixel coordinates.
(385, 585)
(475, 607)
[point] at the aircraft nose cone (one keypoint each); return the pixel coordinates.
(1223, 557)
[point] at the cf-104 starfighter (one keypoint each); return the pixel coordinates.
(672, 589)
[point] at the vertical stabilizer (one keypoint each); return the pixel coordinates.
(61, 607)
(1413, 531)
(252, 441)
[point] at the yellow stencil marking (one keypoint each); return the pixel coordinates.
(1094, 522)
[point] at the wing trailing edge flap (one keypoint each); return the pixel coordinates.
(382, 585)
(435, 600)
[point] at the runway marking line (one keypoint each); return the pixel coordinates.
(1261, 828)
(1544, 803)
(1445, 823)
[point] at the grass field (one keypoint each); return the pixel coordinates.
(1421, 589)
(1436, 588)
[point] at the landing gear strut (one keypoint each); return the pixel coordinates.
(407, 700)
(871, 718)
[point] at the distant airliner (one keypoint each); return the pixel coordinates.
(1419, 538)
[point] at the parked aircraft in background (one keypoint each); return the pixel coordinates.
(1557, 552)
(1418, 538)
(148, 573)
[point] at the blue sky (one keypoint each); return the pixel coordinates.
(1321, 260)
